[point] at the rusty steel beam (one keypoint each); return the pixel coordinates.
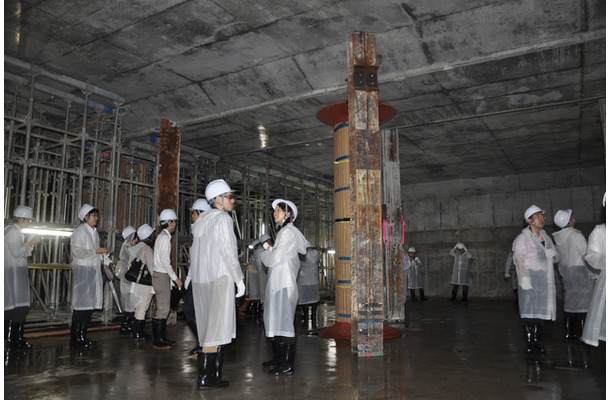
(366, 197)
(393, 227)
(169, 168)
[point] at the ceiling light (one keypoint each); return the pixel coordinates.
(262, 135)
(49, 230)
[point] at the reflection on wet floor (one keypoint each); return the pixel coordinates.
(473, 350)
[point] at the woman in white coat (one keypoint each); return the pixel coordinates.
(141, 295)
(215, 270)
(281, 295)
(534, 254)
(16, 281)
(87, 294)
(595, 324)
(578, 282)
(129, 239)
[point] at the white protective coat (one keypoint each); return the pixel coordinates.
(262, 272)
(595, 324)
(16, 252)
(308, 280)
(578, 283)
(121, 267)
(282, 294)
(413, 268)
(536, 275)
(137, 292)
(86, 269)
(461, 267)
(215, 269)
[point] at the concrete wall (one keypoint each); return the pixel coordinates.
(486, 214)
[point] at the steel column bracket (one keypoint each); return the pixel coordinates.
(365, 78)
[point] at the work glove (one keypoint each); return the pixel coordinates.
(241, 288)
(526, 284)
(506, 277)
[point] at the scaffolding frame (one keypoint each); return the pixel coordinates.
(56, 160)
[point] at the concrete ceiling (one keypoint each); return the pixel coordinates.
(480, 87)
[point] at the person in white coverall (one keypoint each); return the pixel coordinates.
(87, 294)
(595, 324)
(461, 271)
(129, 235)
(413, 268)
(578, 283)
(16, 281)
(281, 295)
(163, 278)
(215, 270)
(141, 295)
(534, 254)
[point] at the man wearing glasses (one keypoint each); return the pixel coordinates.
(534, 254)
(215, 270)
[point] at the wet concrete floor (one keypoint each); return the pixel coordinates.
(465, 350)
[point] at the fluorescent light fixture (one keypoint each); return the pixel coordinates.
(262, 135)
(49, 231)
(331, 251)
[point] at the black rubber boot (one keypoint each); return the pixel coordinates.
(529, 336)
(127, 324)
(421, 295)
(275, 360)
(138, 330)
(163, 323)
(314, 313)
(454, 293)
(465, 293)
(413, 297)
(579, 325)
(206, 372)
(287, 360)
(83, 329)
(569, 325)
(305, 309)
(8, 331)
(537, 338)
(220, 359)
(193, 325)
(18, 339)
(74, 330)
(158, 342)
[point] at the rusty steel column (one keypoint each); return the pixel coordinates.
(169, 169)
(393, 227)
(366, 196)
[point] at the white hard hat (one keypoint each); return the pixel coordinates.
(264, 238)
(411, 250)
(201, 205)
(216, 188)
(128, 230)
(562, 218)
(168, 215)
(145, 231)
(295, 212)
(460, 246)
(531, 211)
(23, 212)
(84, 210)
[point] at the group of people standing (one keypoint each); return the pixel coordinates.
(582, 267)
(215, 272)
